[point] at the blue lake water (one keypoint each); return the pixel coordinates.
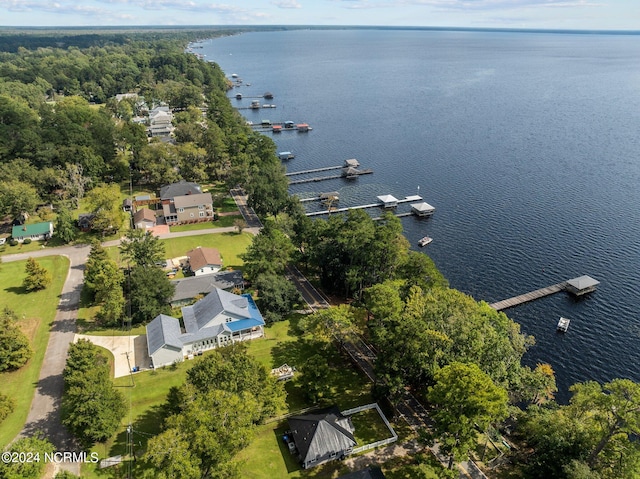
(527, 144)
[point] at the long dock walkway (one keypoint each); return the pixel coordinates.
(315, 170)
(525, 298)
(362, 207)
(350, 176)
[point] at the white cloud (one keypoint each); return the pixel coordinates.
(287, 4)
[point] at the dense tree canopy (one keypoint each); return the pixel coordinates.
(91, 407)
(14, 345)
(214, 415)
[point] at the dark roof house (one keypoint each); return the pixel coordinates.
(194, 286)
(182, 188)
(322, 436)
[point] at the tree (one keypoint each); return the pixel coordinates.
(327, 324)
(277, 296)
(6, 406)
(17, 198)
(142, 248)
(32, 446)
(37, 276)
(104, 201)
(315, 374)
(96, 263)
(91, 407)
(150, 294)
(65, 228)
(108, 293)
(613, 409)
(213, 415)
(464, 397)
(269, 253)
(239, 224)
(14, 345)
(74, 183)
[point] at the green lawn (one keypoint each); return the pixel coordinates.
(36, 312)
(21, 248)
(230, 245)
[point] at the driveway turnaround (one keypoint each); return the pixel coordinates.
(128, 351)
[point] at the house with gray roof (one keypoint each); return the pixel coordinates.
(184, 202)
(191, 287)
(219, 319)
(322, 436)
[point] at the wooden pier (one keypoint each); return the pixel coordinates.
(576, 286)
(351, 175)
(315, 170)
(362, 207)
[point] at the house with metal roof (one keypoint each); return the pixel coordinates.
(35, 232)
(322, 436)
(219, 319)
(186, 289)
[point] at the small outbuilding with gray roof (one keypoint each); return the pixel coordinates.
(322, 436)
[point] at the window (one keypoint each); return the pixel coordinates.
(201, 214)
(200, 207)
(180, 210)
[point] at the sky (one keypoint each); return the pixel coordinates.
(539, 14)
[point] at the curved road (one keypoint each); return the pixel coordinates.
(44, 414)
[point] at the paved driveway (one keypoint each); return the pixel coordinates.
(128, 351)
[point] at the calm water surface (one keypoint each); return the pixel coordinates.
(526, 144)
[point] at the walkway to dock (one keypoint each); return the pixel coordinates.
(525, 298)
(362, 207)
(352, 175)
(315, 170)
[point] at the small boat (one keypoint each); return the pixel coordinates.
(425, 241)
(563, 324)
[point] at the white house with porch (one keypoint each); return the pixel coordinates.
(219, 319)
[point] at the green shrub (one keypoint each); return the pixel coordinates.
(27, 241)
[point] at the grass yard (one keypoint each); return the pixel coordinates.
(230, 245)
(36, 312)
(145, 397)
(369, 427)
(21, 247)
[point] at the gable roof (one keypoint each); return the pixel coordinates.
(368, 473)
(188, 201)
(179, 189)
(193, 286)
(163, 331)
(200, 257)
(33, 229)
(144, 214)
(321, 433)
(216, 302)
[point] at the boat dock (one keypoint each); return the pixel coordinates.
(380, 204)
(315, 170)
(576, 286)
(351, 175)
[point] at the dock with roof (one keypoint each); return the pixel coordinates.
(384, 201)
(576, 286)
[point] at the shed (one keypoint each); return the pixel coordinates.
(422, 209)
(322, 436)
(302, 127)
(286, 155)
(582, 285)
(352, 163)
(144, 218)
(276, 128)
(388, 201)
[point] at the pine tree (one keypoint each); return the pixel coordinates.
(37, 276)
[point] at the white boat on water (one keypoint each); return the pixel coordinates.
(563, 324)
(425, 241)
